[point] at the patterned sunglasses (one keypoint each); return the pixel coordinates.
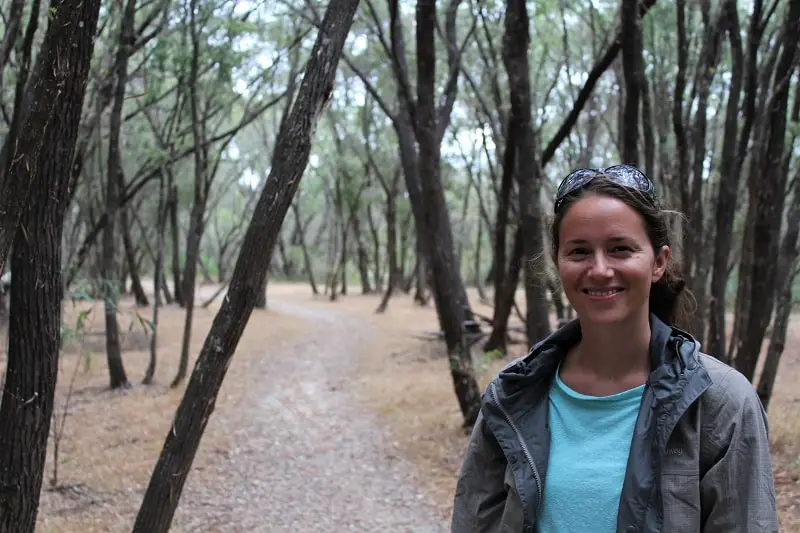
(624, 175)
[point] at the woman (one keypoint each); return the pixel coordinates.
(617, 422)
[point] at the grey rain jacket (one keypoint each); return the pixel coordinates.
(699, 458)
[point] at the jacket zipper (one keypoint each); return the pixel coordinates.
(525, 450)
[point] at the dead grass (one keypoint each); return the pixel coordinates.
(112, 439)
(407, 381)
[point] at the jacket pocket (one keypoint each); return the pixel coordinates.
(680, 493)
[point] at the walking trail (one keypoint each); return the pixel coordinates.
(312, 458)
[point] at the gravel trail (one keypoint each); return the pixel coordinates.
(310, 458)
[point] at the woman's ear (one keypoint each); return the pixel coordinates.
(661, 262)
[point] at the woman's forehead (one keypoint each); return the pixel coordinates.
(600, 216)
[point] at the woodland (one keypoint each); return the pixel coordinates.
(405, 151)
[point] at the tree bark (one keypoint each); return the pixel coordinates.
(448, 287)
(631, 31)
(157, 283)
(768, 194)
(790, 249)
(293, 146)
(696, 260)
(116, 369)
(201, 188)
(172, 209)
(528, 171)
(729, 171)
(19, 155)
(34, 336)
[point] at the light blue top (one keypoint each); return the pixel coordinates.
(590, 439)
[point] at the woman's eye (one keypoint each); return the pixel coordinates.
(579, 251)
(620, 249)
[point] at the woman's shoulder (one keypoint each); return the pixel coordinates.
(726, 382)
(731, 398)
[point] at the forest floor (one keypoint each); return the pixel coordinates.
(330, 418)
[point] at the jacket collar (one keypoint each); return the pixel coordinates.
(673, 352)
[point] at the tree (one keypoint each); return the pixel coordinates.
(447, 283)
(528, 172)
(291, 157)
(58, 82)
(767, 196)
(116, 370)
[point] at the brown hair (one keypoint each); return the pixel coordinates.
(670, 300)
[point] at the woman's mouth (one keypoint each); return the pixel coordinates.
(602, 294)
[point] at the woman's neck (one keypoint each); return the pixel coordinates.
(610, 358)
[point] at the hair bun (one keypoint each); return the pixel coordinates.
(678, 285)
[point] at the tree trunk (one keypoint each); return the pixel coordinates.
(528, 172)
(448, 287)
(497, 339)
(681, 143)
(293, 146)
(116, 369)
(201, 186)
(261, 300)
(730, 172)
(499, 279)
(130, 252)
(631, 30)
(306, 256)
(786, 262)
(768, 193)
(157, 282)
(172, 204)
(361, 254)
(33, 111)
(34, 338)
(696, 264)
(395, 275)
(188, 285)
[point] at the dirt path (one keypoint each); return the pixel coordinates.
(313, 459)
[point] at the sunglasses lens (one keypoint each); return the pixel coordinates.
(624, 175)
(575, 180)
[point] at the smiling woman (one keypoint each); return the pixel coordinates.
(617, 422)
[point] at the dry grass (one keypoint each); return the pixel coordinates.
(406, 380)
(112, 439)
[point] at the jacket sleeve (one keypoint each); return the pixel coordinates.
(480, 491)
(736, 488)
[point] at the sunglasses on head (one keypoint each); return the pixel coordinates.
(626, 176)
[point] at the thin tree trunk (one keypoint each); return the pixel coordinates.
(196, 218)
(306, 256)
(172, 203)
(293, 146)
(527, 172)
(130, 252)
(730, 172)
(116, 369)
(790, 249)
(769, 194)
(631, 29)
(497, 339)
(159, 273)
(449, 295)
(391, 252)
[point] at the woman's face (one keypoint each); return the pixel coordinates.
(606, 261)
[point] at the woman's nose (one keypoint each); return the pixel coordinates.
(600, 267)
